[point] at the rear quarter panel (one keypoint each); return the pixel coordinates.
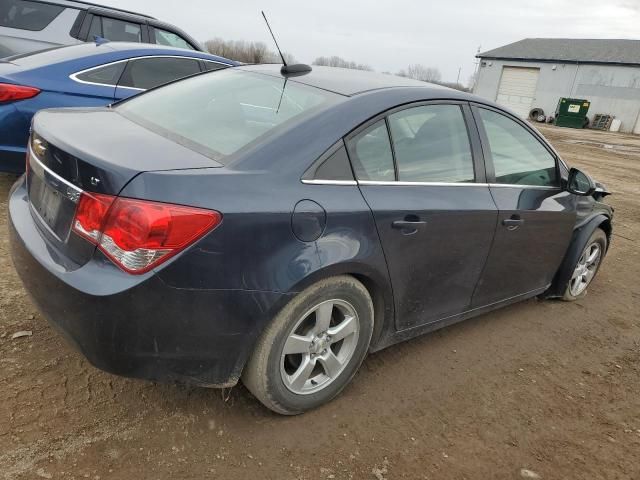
(254, 249)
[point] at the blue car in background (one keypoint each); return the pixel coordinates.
(87, 75)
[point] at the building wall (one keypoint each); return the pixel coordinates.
(613, 90)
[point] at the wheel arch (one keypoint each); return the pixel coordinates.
(376, 283)
(605, 225)
(581, 235)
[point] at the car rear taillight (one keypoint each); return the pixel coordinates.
(91, 214)
(138, 235)
(11, 93)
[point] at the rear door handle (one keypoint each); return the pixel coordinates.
(408, 227)
(512, 223)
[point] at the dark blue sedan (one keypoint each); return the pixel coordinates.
(86, 75)
(274, 227)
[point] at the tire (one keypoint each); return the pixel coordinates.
(587, 269)
(278, 379)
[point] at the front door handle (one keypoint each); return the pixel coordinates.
(512, 223)
(408, 227)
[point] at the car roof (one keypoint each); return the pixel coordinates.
(344, 81)
(121, 50)
(83, 5)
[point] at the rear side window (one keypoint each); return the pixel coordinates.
(518, 157)
(431, 144)
(147, 73)
(171, 39)
(211, 66)
(27, 15)
(370, 153)
(115, 30)
(107, 75)
(332, 165)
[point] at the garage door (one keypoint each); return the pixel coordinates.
(518, 88)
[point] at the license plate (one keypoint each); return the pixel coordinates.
(45, 200)
(49, 205)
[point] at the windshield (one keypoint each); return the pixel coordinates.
(220, 112)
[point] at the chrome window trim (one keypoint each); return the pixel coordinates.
(214, 61)
(425, 184)
(329, 182)
(455, 184)
(515, 185)
(74, 76)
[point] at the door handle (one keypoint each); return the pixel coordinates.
(408, 227)
(512, 223)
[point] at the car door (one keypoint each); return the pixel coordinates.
(536, 215)
(420, 170)
(144, 73)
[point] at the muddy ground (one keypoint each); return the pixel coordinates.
(549, 387)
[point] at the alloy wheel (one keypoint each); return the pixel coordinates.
(319, 346)
(585, 269)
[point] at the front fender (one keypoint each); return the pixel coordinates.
(581, 235)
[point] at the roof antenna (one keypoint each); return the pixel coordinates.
(297, 69)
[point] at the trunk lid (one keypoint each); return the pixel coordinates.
(91, 150)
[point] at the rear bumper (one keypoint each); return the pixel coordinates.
(146, 330)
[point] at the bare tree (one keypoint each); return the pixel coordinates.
(245, 52)
(422, 73)
(340, 62)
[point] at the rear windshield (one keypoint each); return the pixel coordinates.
(219, 113)
(27, 15)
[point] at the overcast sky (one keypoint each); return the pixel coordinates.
(389, 35)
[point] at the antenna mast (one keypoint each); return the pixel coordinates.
(284, 62)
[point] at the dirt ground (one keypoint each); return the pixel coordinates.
(548, 389)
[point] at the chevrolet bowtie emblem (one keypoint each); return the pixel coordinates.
(39, 147)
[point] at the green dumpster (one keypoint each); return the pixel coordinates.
(572, 112)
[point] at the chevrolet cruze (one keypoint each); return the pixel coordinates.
(274, 225)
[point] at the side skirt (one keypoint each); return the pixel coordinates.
(406, 334)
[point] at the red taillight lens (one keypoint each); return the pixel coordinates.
(137, 234)
(91, 214)
(11, 93)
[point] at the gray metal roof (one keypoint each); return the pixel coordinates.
(344, 81)
(570, 50)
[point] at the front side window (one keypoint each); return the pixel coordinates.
(219, 114)
(431, 144)
(370, 153)
(115, 30)
(26, 15)
(171, 39)
(107, 75)
(146, 73)
(518, 157)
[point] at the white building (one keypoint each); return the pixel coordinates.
(537, 72)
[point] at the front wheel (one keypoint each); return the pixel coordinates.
(587, 267)
(313, 347)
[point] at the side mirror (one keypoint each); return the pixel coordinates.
(580, 183)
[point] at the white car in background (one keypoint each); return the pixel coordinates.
(30, 25)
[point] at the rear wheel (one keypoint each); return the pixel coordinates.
(587, 266)
(313, 347)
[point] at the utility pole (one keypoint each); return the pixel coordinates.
(458, 79)
(477, 67)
